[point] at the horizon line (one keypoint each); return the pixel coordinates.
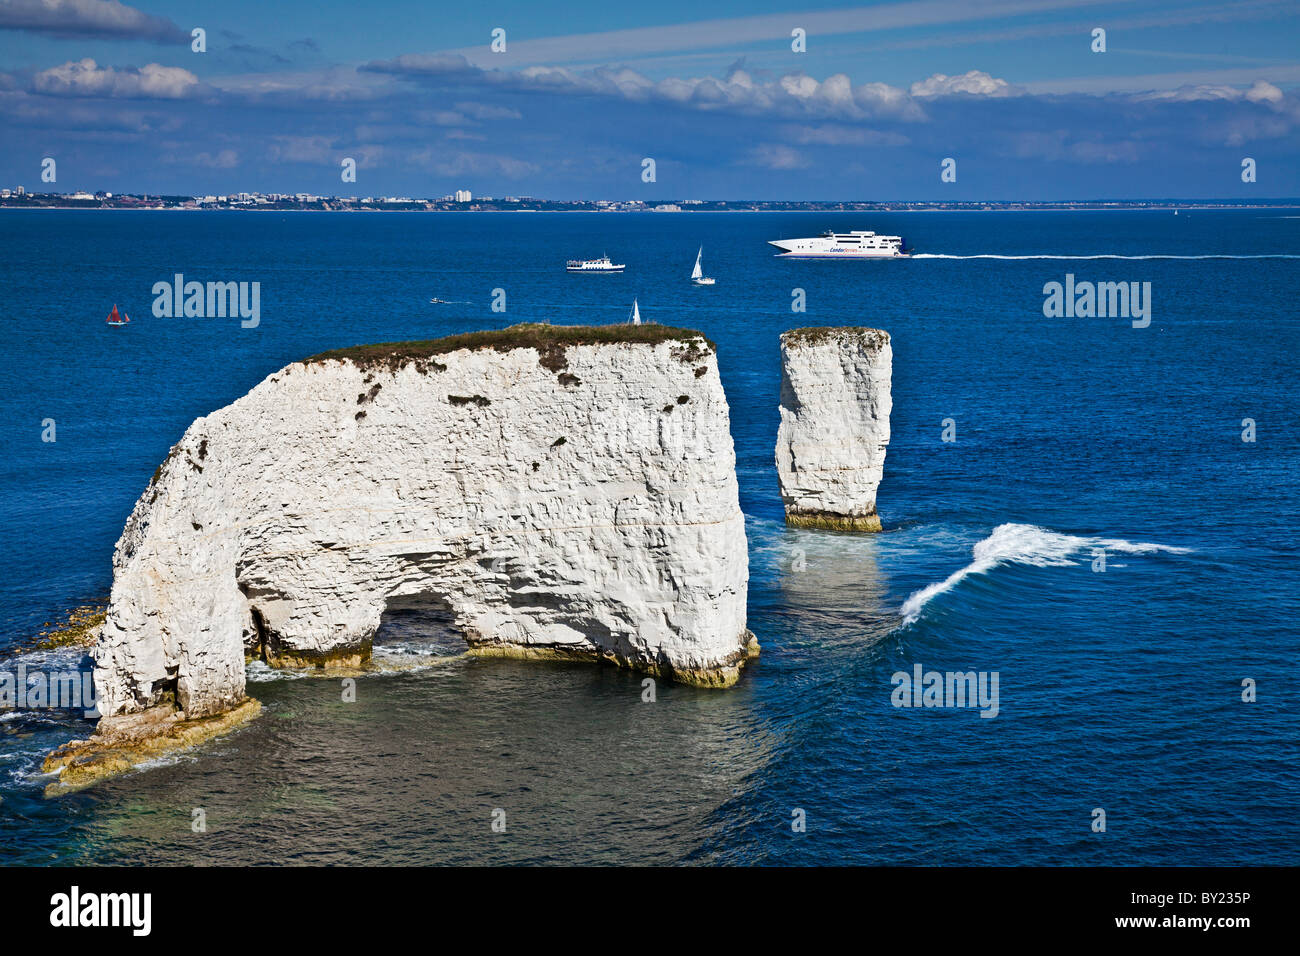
(685, 204)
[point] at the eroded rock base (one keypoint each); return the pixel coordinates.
(121, 743)
(830, 522)
(340, 658)
(723, 675)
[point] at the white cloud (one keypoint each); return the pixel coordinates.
(776, 156)
(442, 117)
(430, 64)
(793, 95)
(975, 82)
(224, 159)
(330, 85)
(843, 136)
(1263, 92)
(303, 149)
(87, 18)
(487, 112)
(1168, 85)
(443, 163)
(1260, 92)
(87, 78)
(1119, 151)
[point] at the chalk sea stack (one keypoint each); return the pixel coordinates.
(563, 492)
(830, 446)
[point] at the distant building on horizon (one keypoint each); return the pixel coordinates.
(464, 195)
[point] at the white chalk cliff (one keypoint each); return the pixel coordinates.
(835, 405)
(565, 492)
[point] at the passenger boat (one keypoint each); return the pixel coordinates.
(602, 264)
(857, 244)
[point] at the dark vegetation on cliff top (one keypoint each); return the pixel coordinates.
(550, 341)
(827, 333)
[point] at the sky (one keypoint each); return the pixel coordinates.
(715, 93)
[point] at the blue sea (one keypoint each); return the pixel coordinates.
(1120, 689)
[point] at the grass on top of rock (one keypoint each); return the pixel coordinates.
(832, 333)
(550, 341)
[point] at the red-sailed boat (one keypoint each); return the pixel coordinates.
(116, 318)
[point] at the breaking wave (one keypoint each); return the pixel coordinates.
(1026, 544)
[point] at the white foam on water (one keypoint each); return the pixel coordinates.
(386, 659)
(259, 672)
(1026, 544)
(936, 255)
(45, 658)
(27, 766)
(404, 657)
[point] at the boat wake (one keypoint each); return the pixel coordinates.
(936, 255)
(1026, 544)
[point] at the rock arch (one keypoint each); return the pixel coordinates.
(528, 476)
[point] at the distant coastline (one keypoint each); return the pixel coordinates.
(257, 202)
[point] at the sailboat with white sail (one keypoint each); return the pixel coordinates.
(697, 274)
(634, 317)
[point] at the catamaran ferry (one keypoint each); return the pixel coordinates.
(843, 245)
(593, 265)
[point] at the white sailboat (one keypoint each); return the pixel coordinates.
(635, 317)
(697, 274)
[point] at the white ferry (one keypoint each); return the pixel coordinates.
(593, 265)
(857, 244)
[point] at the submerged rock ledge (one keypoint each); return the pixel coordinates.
(122, 743)
(825, 521)
(562, 491)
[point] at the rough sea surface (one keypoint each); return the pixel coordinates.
(1118, 690)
